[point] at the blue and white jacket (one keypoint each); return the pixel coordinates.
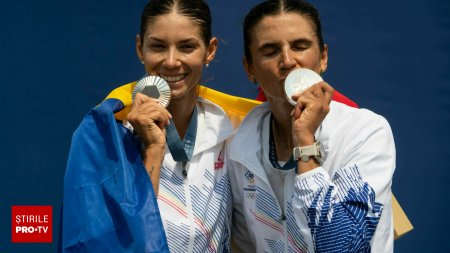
(343, 206)
(196, 207)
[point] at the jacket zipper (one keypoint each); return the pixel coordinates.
(188, 206)
(282, 216)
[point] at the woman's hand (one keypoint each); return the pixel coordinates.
(312, 106)
(149, 120)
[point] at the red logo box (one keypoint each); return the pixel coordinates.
(32, 224)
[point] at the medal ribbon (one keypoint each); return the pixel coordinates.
(273, 152)
(182, 150)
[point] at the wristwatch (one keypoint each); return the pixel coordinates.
(304, 153)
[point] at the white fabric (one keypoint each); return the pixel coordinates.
(359, 152)
(196, 210)
(276, 176)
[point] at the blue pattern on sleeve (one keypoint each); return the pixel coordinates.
(345, 221)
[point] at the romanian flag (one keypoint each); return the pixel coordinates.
(109, 203)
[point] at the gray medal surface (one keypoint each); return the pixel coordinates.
(155, 87)
(299, 80)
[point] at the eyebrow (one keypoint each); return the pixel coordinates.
(276, 45)
(268, 46)
(182, 41)
(155, 39)
(190, 40)
(302, 41)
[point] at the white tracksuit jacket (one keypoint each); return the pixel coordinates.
(342, 206)
(196, 209)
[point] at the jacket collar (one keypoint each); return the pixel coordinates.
(214, 126)
(246, 145)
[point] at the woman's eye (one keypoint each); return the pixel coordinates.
(300, 47)
(187, 47)
(269, 53)
(156, 47)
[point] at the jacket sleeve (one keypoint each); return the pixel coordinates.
(343, 209)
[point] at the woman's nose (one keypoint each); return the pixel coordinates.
(171, 59)
(287, 59)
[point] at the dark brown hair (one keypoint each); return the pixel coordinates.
(275, 7)
(197, 10)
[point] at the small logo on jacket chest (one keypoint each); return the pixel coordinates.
(250, 177)
(219, 163)
(250, 189)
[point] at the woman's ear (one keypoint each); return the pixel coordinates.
(249, 70)
(211, 50)
(324, 59)
(139, 52)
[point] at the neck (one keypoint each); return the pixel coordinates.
(282, 131)
(181, 110)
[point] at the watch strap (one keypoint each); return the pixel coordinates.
(304, 153)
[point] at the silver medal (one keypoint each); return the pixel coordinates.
(299, 80)
(155, 87)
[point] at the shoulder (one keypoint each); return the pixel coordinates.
(346, 118)
(351, 128)
(246, 140)
(255, 115)
(250, 128)
(216, 121)
(211, 108)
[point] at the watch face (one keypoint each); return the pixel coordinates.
(305, 158)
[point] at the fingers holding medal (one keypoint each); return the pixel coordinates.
(148, 114)
(311, 96)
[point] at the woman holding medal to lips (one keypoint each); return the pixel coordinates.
(193, 192)
(315, 175)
